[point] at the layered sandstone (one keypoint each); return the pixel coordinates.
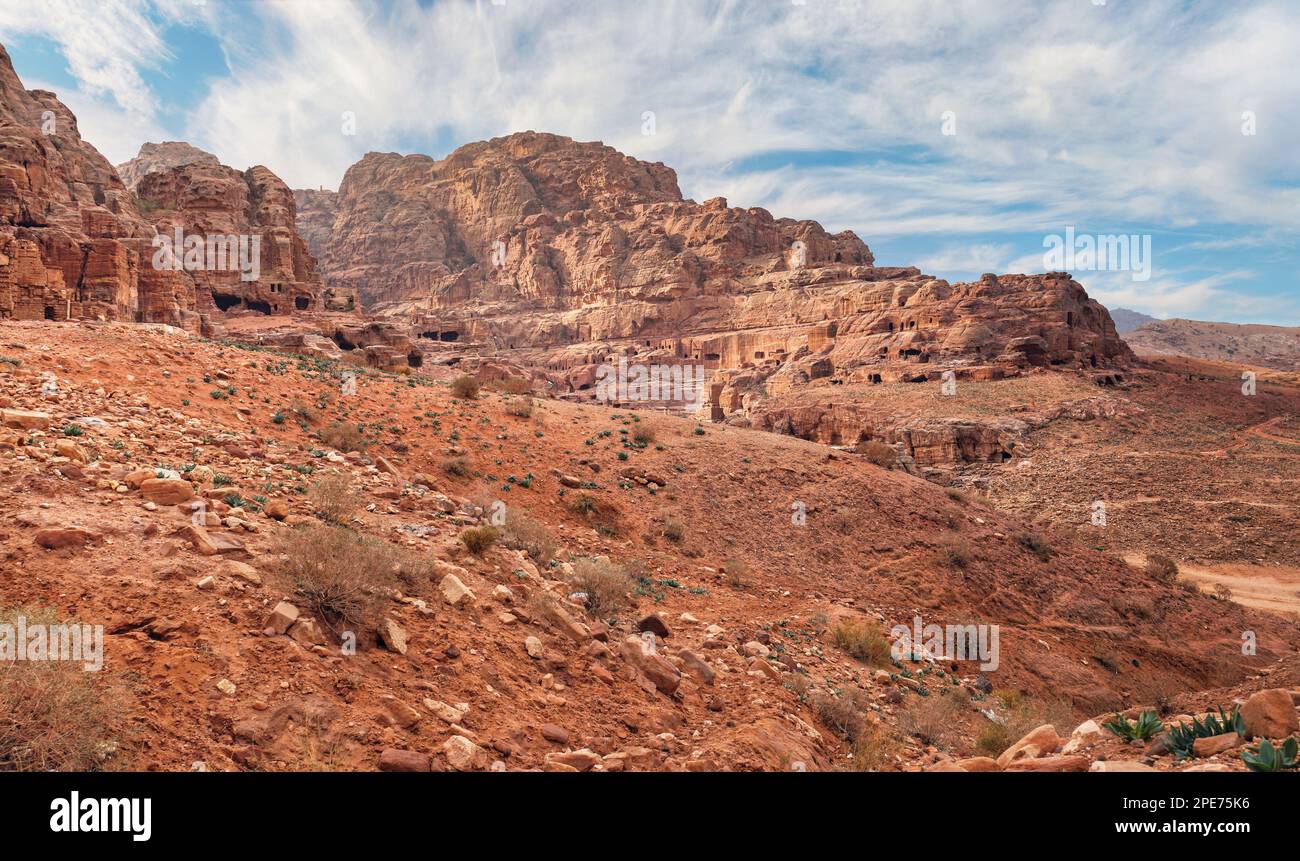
(154, 157)
(262, 264)
(71, 239)
(564, 255)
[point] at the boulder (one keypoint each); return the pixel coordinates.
(1270, 714)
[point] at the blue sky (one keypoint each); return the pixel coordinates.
(1105, 117)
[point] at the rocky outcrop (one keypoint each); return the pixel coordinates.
(155, 157)
(1242, 343)
(565, 254)
(263, 265)
(71, 239)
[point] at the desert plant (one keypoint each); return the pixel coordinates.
(1146, 726)
(332, 499)
(955, 551)
(521, 406)
(863, 641)
(606, 584)
(465, 387)
(478, 539)
(342, 576)
(839, 713)
(643, 435)
(343, 436)
(736, 572)
(54, 716)
(524, 532)
(457, 466)
(1179, 739)
(879, 453)
(874, 748)
(1036, 544)
(932, 719)
(673, 530)
(1161, 568)
(1266, 757)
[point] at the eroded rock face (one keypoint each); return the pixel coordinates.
(71, 238)
(563, 255)
(272, 272)
(154, 157)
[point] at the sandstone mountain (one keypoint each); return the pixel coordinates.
(154, 157)
(76, 243)
(560, 255)
(1248, 344)
(181, 188)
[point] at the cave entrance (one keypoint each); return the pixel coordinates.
(260, 307)
(49, 312)
(342, 341)
(415, 358)
(302, 303)
(225, 301)
(448, 336)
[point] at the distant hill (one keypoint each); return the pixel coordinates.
(1127, 321)
(1249, 344)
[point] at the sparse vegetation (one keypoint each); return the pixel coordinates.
(342, 576)
(54, 716)
(955, 551)
(1180, 739)
(521, 406)
(1161, 568)
(479, 539)
(736, 572)
(465, 387)
(457, 466)
(1144, 728)
(1036, 544)
(333, 500)
(606, 584)
(933, 719)
(524, 532)
(863, 641)
(877, 452)
(343, 436)
(673, 530)
(1267, 758)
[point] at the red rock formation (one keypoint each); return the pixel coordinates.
(154, 157)
(570, 253)
(206, 199)
(71, 239)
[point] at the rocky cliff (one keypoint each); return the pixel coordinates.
(569, 253)
(266, 268)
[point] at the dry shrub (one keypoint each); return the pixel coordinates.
(879, 453)
(606, 584)
(933, 719)
(520, 406)
(514, 386)
(1161, 568)
(458, 466)
(1022, 714)
(643, 434)
(840, 713)
(465, 387)
(54, 715)
(874, 748)
(1222, 591)
(736, 573)
(342, 576)
(521, 531)
(603, 515)
(343, 436)
(478, 539)
(332, 499)
(955, 551)
(863, 641)
(1036, 544)
(673, 530)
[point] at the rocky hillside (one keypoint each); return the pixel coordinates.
(1247, 344)
(647, 603)
(1126, 321)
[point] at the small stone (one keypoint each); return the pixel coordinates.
(393, 636)
(227, 687)
(533, 646)
(403, 760)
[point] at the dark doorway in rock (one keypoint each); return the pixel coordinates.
(343, 342)
(49, 312)
(415, 358)
(302, 303)
(260, 307)
(225, 301)
(449, 336)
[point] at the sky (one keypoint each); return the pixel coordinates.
(959, 136)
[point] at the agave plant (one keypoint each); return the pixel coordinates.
(1181, 738)
(1266, 757)
(1147, 725)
